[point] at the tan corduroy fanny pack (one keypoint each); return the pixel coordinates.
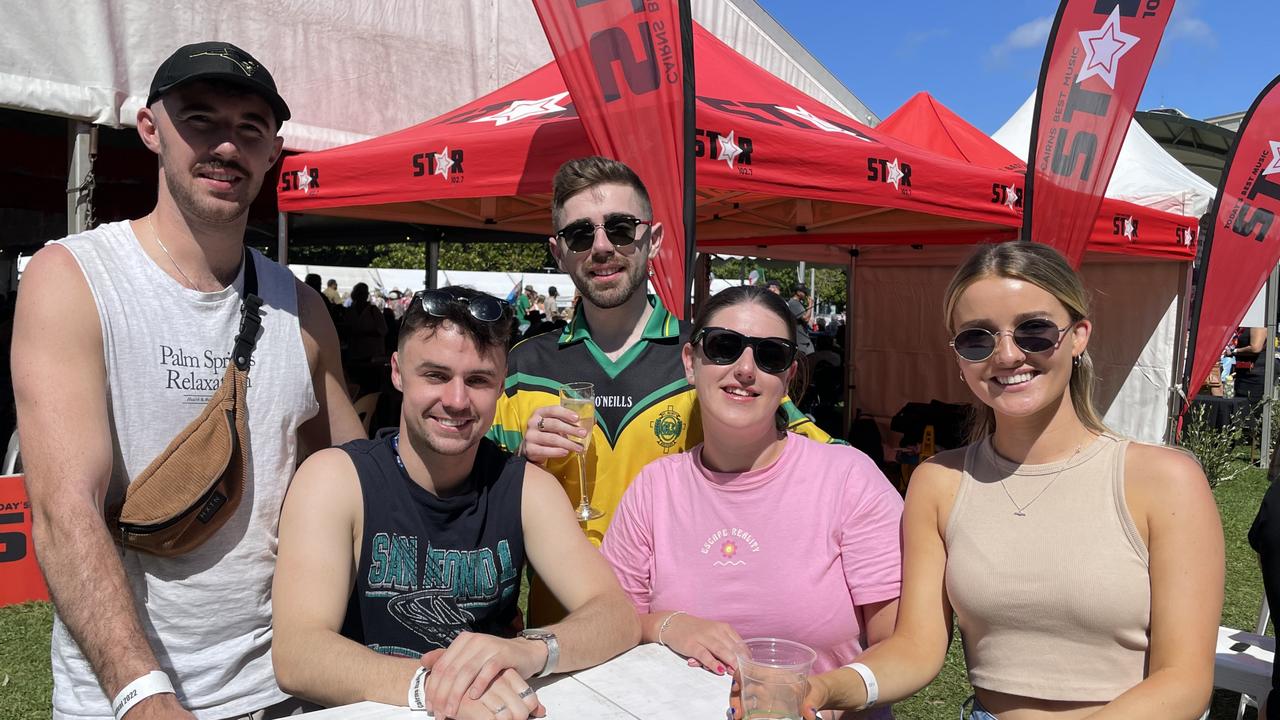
(194, 486)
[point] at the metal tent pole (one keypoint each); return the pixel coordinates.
(282, 238)
(83, 140)
(1269, 376)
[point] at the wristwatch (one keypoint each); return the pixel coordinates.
(553, 648)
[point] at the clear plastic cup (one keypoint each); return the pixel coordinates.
(775, 675)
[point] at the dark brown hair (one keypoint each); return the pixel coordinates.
(581, 174)
(769, 301)
(485, 335)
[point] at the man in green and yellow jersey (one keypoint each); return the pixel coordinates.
(621, 339)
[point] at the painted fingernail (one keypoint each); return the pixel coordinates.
(720, 669)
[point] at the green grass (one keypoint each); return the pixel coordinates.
(25, 683)
(25, 680)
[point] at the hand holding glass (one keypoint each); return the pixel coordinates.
(775, 676)
(581, 399)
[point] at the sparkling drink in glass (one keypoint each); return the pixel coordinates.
(581, 399)
(775, 677)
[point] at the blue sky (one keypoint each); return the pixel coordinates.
(982, 59)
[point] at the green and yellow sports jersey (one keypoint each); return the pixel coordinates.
(645, 409)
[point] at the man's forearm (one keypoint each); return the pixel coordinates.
(326, 668)
(91, 594)
(602, 628)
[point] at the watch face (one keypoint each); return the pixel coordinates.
(536, 634)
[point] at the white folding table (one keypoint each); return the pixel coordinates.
(649, 682)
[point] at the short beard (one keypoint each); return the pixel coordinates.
(613, 297)
(186, 200)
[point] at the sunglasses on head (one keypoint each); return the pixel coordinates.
(484, 308)
(723, 347)
(1037, 335)
(621, 230)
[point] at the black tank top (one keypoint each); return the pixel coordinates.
(431, 567)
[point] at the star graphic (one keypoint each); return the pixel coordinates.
(522, 109)
(729, 150)
(818, 122)
(1274, 167)
(894, 174)
(1130, 229)
(1011, 197)
(304, 180)
(443, 163)
(1103, 49)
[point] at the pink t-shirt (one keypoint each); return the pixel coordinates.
(785, 551)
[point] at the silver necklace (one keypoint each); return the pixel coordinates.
(156, 235)
(1020, 510)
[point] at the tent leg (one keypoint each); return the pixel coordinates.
(433, 263)
(850, 392)
(1269, 376)
(282, 238)
(83, 139)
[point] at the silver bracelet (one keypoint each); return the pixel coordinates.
(666, 624)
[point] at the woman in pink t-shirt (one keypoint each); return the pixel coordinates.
(757, 531)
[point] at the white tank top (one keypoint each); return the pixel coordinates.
(207, 614)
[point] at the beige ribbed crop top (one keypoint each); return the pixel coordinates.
(1055, 604)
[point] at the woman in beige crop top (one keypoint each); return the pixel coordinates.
(1085, 571)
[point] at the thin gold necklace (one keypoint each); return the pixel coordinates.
(1021, 510)
(156, 235)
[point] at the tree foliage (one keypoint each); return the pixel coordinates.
(497, 257)
(832, 282)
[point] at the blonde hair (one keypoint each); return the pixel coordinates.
(1045, 268)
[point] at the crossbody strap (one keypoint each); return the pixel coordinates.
(250, 317)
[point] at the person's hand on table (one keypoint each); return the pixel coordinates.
(816, 696)
(549, 432)
(470, 664)
(502, 701)
(707, 643)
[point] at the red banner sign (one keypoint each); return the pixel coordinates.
(1095, 66)
(1244, 240)
(628, 65)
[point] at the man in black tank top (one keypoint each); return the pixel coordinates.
(401, 557)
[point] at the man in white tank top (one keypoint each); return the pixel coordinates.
(121, 335)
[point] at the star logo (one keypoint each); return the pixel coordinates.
(443, 163)
(1011, 197)
(1130, 229)
(818, 122)
(895, 174)
(729, 150)
(524, 109)
(304, 180)
(1103, 49)
(1274, 167)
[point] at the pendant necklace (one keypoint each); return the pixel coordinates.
(156, 235)
(1020, 510)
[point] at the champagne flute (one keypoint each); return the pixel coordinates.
(580, 397)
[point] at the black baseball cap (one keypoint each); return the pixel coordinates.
(217, 61)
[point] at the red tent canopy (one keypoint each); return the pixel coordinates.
(1121, 227)
(773, 165)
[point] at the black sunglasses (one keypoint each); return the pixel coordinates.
(621, 230)
(722, 346)
(484, 308)
(1036, 335)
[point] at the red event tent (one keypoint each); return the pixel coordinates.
(773, 165)
(926, 122)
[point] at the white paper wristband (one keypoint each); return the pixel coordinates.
(868, 677)
(153, 683)
(418, 690)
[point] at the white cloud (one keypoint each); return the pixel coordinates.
(1192, 29)
(1033, 34)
